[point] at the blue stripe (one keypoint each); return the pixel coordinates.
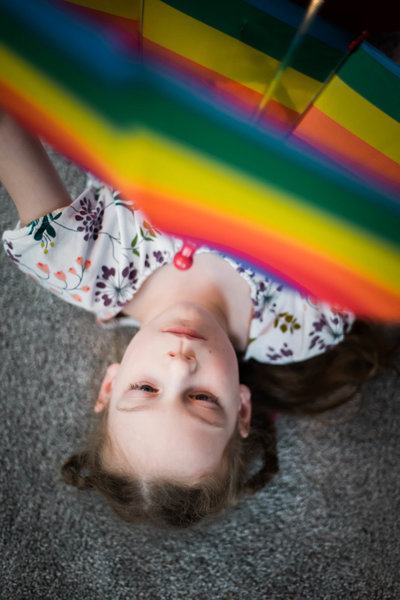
(292, 14)
(381, 58)
(89, 44)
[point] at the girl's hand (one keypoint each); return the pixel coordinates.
(27, 172)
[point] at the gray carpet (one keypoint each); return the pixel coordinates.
(327, 527)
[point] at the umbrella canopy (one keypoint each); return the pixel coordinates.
(342, 102)
(197, 168)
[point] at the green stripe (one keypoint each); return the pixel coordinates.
(373, 81)
(262, 32)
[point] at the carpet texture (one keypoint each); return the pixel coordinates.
(327, 527)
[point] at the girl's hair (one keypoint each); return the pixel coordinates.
(306, 387)
(167, 503)
(329, 379)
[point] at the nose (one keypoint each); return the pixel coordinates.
(184, 360)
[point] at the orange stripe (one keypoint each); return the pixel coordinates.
(224, 89)
(322, 132)
(291, 261)
(31, 116)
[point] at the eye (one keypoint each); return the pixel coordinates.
(143, 387)
(204, 397)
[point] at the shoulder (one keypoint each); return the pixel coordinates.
(291, 327)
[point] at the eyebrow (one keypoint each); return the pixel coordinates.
(196, 416)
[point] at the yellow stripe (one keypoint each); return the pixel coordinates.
(223, 54)
(120, 8)
(219, 187)
(148, 159)
(82, 122)
(340, 102)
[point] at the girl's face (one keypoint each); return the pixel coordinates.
(175, 399)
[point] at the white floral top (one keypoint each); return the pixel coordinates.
(97, 252)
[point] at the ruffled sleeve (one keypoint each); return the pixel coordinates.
(292, 328)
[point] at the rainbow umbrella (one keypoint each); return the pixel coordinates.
(147, 123)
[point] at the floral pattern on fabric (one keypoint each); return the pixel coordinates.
(9, 249)
(286, 322)
(325, 335)
(97, 252)
(90, 216)
(288, 326)
(114, 289)
(291, 328)
(71, 279)
(282, 353)
(43, 230)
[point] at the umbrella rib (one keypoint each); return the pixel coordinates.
(305, 24)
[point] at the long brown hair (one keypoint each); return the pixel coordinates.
(302, 388)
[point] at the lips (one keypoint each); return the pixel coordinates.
(190, 334)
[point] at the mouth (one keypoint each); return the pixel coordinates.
(184, 332)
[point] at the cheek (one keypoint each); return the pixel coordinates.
(226, 357)
(140, 349)
(226, 368)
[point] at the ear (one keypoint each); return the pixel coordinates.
(106, 388)
(244, 410)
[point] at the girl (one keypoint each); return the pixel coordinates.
(176, 438)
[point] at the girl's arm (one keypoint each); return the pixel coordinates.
(27, 173)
